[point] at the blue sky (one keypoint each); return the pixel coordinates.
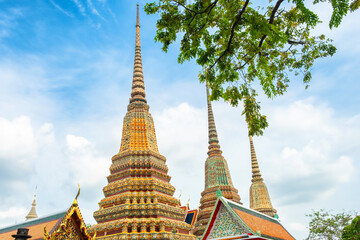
(65, 80)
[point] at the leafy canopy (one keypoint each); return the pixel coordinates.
(241, 44)
(352, 231)
(327, 226)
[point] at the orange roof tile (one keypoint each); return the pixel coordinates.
(36, 227)
(265, 227)
(260, 226)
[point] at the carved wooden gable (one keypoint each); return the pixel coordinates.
(72, 226)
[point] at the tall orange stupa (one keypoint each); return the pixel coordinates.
(139, 202)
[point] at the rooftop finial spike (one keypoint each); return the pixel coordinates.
(214, 146)
(137, 16)
(138, 85)
(256, 175)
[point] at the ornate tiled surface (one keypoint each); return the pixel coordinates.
(226, 225)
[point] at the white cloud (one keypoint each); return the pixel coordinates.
(309, 161)
(45, 135)
(297, 226)
(8, 21)
(61, 9)
(93, 9)
(80, 7)
(76, 143)
(181, 135)
(13, 212)
(88, 168)
(17, 138)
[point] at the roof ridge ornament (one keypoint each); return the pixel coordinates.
(218, 193)
(75, 203)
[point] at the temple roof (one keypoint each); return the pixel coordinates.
(251, 222)
(63, 225)
(36, 226)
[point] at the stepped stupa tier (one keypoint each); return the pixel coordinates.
(217, 176)
(139, 202)
(259, 195)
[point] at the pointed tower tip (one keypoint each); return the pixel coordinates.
(214, 147)
(138, 85)
(256, 175)
(137, 16)
(32, 213)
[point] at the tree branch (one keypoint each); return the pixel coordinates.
(182, 5)
(296, 42)
(271, 20)
(211, 6)
(238, 17)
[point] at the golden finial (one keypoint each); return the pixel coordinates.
(180, 199)
(46, 234)
(75, 203)
(188, 203)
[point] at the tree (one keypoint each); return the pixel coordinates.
(240, 44)
(352, 231)
(324, 225)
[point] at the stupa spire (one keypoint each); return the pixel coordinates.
(214, 147)
(32, 214)
(138, 85)
(256, 175)
(217, 175)
(259, 195)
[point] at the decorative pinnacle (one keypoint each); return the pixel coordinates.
(256, 175)
(137, 16)
(32, 214)
(138, 85)
(214, 147)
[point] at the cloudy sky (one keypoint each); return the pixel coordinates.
(65, 80)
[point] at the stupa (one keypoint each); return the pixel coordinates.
(139, 202)
(259, 195)
(217, 176)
